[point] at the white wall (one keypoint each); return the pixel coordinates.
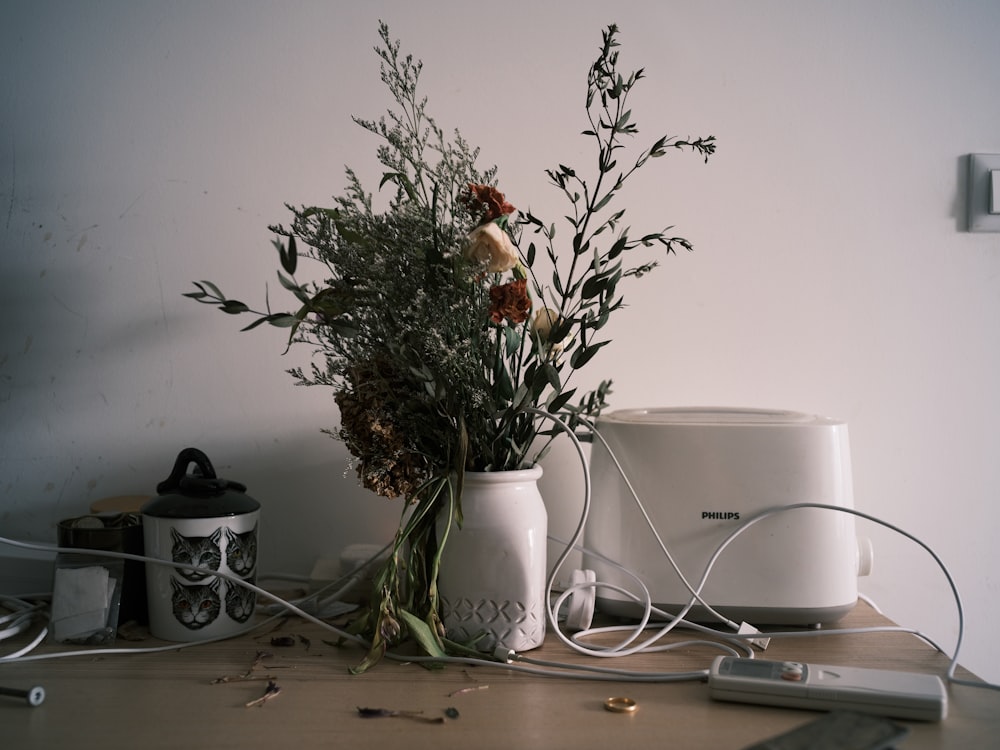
(146, 144)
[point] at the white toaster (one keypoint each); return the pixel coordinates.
(703, 472)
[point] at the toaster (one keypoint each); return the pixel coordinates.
(700, 475)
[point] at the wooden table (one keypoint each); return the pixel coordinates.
(170, 700)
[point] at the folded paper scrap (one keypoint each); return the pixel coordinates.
(82, 602)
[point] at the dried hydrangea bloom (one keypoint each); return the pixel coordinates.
(386, 465)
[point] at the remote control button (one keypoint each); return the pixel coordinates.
(792, 671)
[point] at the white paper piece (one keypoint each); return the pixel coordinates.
(81, 598)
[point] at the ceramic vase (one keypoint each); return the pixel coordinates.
(492, 580)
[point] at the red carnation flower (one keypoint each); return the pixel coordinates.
(510, 301)
(487, 198)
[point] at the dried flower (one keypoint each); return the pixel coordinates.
(489, 201)
(388, 463)
(489, 246)
(270, 691)
(543, 322)
(510, 301)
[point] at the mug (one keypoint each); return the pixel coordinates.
(206, 526)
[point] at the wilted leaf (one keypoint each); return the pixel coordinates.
(423, 634)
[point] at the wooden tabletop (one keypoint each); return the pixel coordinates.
(175, 699)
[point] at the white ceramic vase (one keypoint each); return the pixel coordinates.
(493, 572)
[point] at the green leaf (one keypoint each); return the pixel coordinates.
(278, 320)
(402, 181)
(603, 201)
(233, 307)
(347, 233)
(289, 256)
(622, 123)
(504, 384)
(594, 286)
(289, 284)
(200, 296)
(373, 657)
(513, 339)
(214, 289)
(618, 247)
(282, 320)
(584, 354)
(422, 633)
(344, 327)
(546, 375)
(521, 396)
(559, 400)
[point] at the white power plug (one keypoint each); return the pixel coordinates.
(580, 612)
(747, 628)
(360, 560)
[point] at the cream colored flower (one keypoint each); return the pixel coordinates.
(542, 324)
(543, 321)
(490, 246)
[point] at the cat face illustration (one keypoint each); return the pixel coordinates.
(200, 551)
(241, 551)
(194, 607)
(239, 602)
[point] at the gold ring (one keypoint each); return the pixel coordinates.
(621, 705)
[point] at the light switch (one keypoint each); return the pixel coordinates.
(984, 193)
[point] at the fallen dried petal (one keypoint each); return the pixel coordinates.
(270, 691)
(468, 690)
(242, 678)
(370, 713)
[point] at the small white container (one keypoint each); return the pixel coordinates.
(212, 524)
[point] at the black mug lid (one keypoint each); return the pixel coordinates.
(198, 495)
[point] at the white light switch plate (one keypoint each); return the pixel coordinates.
(980, 195)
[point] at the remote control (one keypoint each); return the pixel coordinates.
(900, 695)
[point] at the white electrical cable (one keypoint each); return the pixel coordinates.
(643, 624)
(570, 671)
(19, 620)
(286, 606)
(730, 642)
(23, 614)
(552, 611)
(695, 592)
(953, 663)
(514, 661)
(734, 637)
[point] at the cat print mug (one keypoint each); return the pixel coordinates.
(206, 526)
